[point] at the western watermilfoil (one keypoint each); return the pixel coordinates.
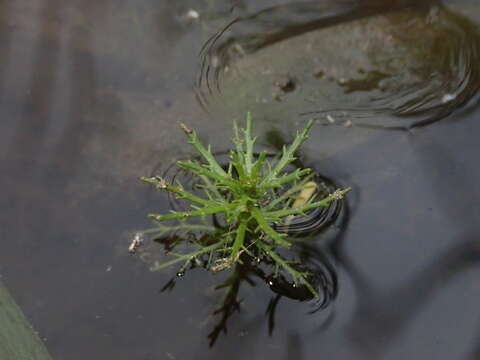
(247, 197)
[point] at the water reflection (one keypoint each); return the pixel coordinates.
(405, 80)
(294, 347)
(49, 99)
(475, 353)
(317, 262)
(383, 313)
(68, 154)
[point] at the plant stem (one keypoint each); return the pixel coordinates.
(249, 145)
(205, 152)
(262, 223)
(163, 229)
(301, 210)
(181, 193)
(207, 210)
(289, 152)
(239, 239)
(287, 178)
(287, 194)
(296, 275)
(187, 257)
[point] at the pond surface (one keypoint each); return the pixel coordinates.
(91, 95)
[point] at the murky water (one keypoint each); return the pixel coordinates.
(91, 93)
(355, 62)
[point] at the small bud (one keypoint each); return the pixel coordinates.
(186, 129)
(162, 183)
(337, 194)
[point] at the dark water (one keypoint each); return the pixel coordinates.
(91, 93)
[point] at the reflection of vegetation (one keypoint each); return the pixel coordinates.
(249, 269)
(247, 200)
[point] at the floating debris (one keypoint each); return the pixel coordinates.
(309, 189)
(185, 128)
(447, 98)
(318, 73)
(136, 243)
(192, 15)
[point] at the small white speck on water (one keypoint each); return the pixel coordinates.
(192, 14)
(136, 242)
(109, 268)
(447, 98)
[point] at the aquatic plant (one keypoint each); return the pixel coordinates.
(248, 198)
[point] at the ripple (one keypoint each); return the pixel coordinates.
(319, 218)
(354, 63)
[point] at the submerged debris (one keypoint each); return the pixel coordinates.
(285, 83)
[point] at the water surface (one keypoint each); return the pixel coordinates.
(91, 94)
